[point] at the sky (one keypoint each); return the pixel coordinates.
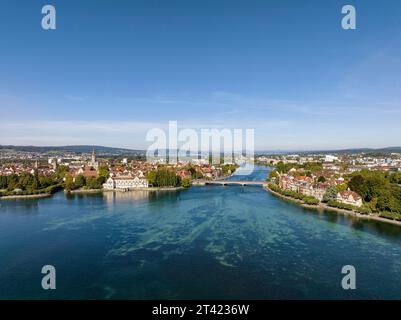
(112, 70)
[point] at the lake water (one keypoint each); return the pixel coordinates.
(203, 242)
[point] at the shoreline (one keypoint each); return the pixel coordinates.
(84, 191)
(122, 190)
(147, 189)
(27, 196)
(322, 206)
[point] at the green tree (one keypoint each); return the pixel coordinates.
(273, 175)
(341, 187)
(396, 177)
(103, 172)
(166, 178)
(357, 184)
(3, 182)
(69, 182)
(330, 194)
(94, 183)
(151, 177)
(313, 166)
(80, 181)
(62, 171)
(35, 182)
(186, 182)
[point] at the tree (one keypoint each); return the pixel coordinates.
(35, 182)
(341, 187)
(80, 181)
(69, 182)
(330, 194)
(3, 182)
(313, 166)
(151, 177)
(94, 183)
(62, 171)
(165, 178)
(282, 167)
(103, 172)
(186, 182)
(396, 177)
(357, 184)
(228, 168)
(273, 175)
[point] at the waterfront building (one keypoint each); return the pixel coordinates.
(126, 182)
(349, 197)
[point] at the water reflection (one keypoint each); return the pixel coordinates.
(19, 206)
(113, 197)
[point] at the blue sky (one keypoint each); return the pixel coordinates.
(114, 69)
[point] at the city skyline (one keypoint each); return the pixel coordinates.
(107, 76)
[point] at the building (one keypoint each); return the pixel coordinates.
(330, 158)
(127, 182)
(349, 197)
(87, 172)
(184, 174)
(93, 163)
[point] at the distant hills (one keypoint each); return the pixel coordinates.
(370, 150)
(73, 149)
(339, 151)
(123, 151)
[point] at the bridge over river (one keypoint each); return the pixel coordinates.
(230, 182)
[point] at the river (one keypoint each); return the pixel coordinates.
(204, 242)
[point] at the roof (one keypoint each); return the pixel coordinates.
(348, 193)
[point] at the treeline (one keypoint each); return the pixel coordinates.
(308, 167)
(195, 174)
(228, 168)
(81, 182)
(378, 190)
(27, 184)
(163, 177)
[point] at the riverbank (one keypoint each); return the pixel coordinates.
(84, 191)
(27, 196)
(323, 206)
(128, 190)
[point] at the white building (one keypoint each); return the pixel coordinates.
(349, 197)
(330, 158)
(125, 183)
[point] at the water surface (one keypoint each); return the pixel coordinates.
(204, 242)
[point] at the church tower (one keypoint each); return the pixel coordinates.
(93, 163)
(93, 156)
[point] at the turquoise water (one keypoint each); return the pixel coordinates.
(204, 242)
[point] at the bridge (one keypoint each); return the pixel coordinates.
(229, 182)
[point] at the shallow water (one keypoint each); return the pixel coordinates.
(204, 242)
